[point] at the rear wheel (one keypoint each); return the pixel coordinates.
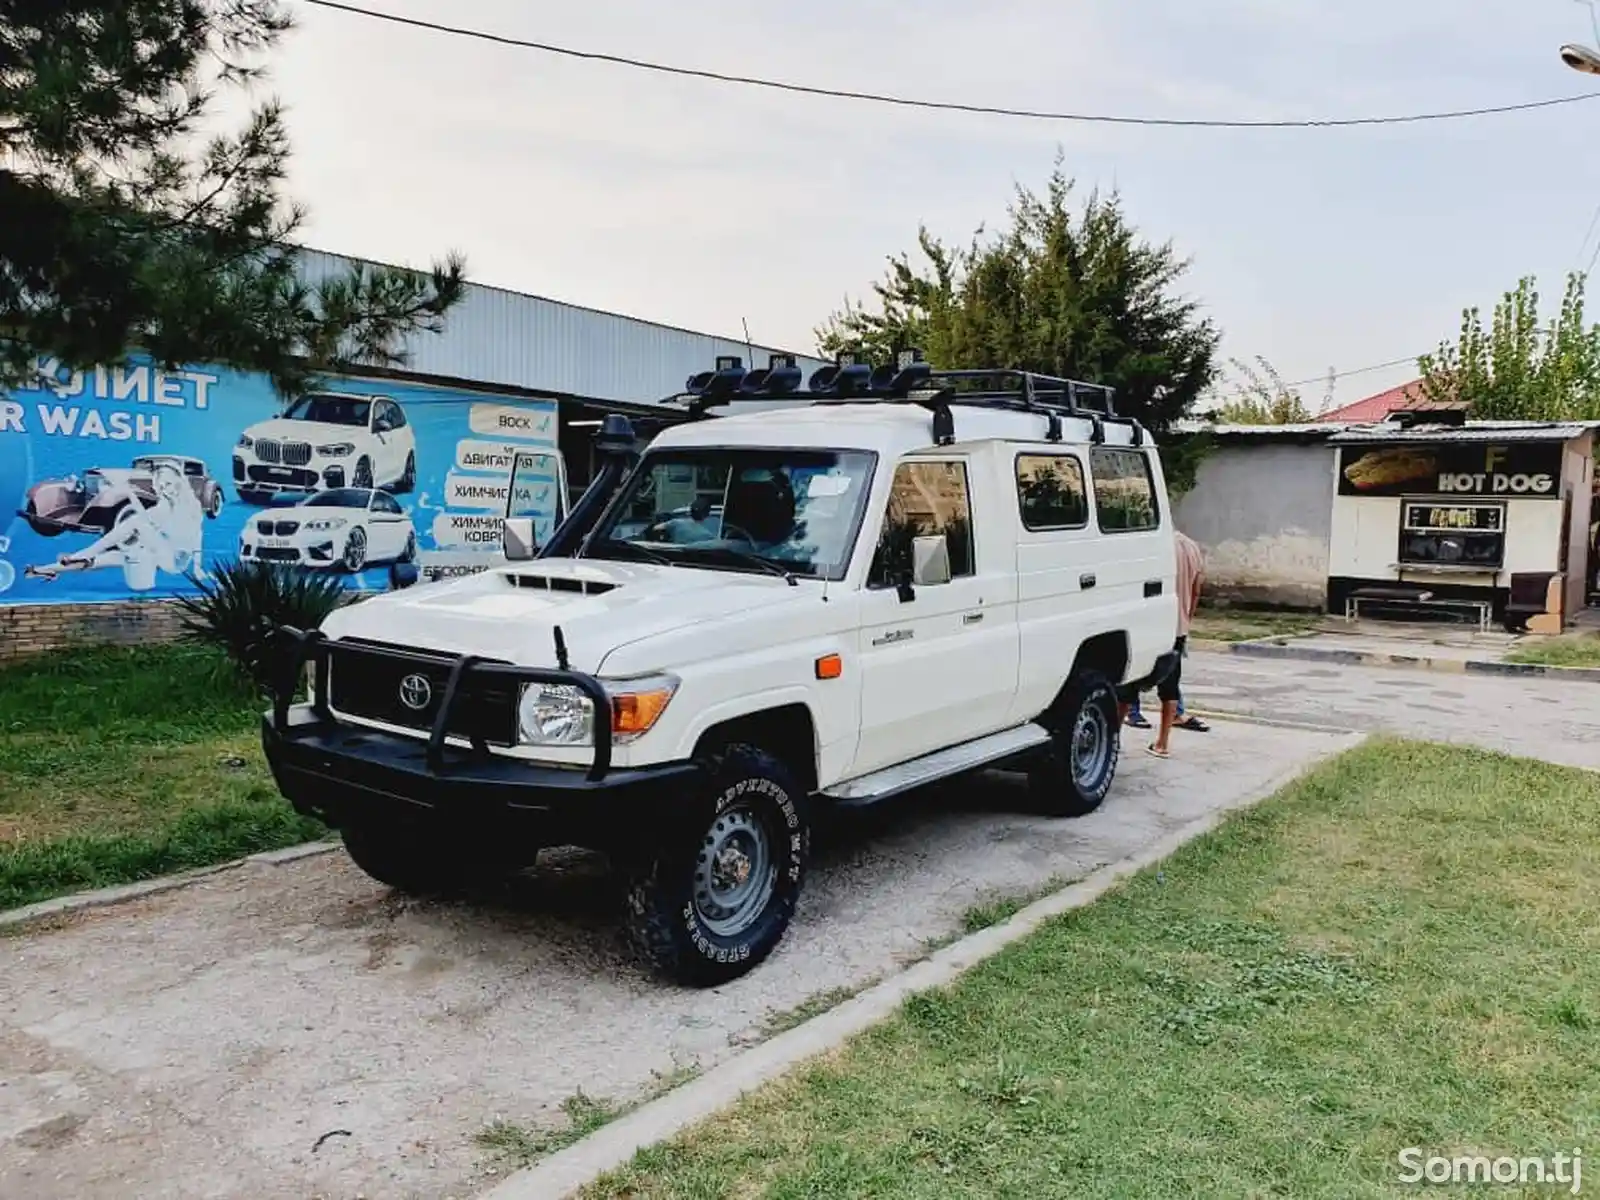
(1071, 777)
(717, 899)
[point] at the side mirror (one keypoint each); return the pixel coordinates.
(518, 540)
(930, 561)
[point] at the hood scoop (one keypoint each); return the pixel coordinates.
(561, 583)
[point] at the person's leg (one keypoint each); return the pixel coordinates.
(1135, 716)
(1168, 691)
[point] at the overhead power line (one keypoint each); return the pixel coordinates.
(993, 110)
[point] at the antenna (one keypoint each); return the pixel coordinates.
(748, 344)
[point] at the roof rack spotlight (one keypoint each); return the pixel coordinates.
(728, 376)
(783, 375)
(910, 370)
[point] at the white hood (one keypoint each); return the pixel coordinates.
(510, 612)
(321, 432)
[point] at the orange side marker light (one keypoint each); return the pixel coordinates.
(830, 666)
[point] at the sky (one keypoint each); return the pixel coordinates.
(705, 205)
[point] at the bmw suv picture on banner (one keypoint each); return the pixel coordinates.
(327, 440)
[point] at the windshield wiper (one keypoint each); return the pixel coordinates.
(643, 553)
(747, 559)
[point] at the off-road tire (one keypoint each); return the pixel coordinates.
(407, 859)
(665, 924)
(1059, 784)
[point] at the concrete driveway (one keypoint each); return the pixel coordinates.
(299, 1031)
(1545, 718)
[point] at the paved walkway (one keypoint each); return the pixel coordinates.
(298, 1031)
(1536, 718)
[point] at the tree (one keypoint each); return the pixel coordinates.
(1519, 370)
(1263, 398)
(121, 230)
(1077, 294)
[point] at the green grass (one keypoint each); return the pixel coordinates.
(1399, 950)
(1573, 650)
(120, 764)
(1246, 625)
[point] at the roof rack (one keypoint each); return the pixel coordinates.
(909, 380)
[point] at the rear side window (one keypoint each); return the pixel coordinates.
(1050, 492)
(1124, 490)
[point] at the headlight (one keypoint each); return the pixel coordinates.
(550, 714)
(557, 714)
(324, 523)
(246, 441)
(337, 450)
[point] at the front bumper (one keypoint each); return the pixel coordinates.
(344, 774)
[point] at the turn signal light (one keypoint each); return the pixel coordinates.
(830, 666)
(633, 713)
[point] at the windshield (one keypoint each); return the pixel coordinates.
(331, 410)
(339, 498)
(738, 509)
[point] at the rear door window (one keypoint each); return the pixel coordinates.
(1124, 489)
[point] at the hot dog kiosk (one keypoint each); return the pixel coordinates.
(1433, 514)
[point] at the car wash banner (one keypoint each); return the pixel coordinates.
(133, 481)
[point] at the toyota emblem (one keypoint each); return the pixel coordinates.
(416, 693)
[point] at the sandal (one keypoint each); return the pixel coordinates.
(1155, 753)
(1194, 724)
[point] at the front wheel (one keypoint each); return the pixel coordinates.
(715, 901)
(355, 551)
(1074, 772)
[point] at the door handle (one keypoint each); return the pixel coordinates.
(1087, 581)
(972, 618)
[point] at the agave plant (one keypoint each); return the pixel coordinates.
(241, 604)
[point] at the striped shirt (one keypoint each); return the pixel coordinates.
(1191, 570)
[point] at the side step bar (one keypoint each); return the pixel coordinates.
(942, 764)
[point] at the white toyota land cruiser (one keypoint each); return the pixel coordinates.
(895, 577)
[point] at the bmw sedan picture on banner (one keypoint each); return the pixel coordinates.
(131, 480)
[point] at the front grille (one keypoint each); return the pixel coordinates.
(278, 553)
(270, 528)
(365, 684)
(290, 454)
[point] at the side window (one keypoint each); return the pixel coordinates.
(382, 421)
(925, 498)
(397, 416)
(194, 468)
(1050, 492)
(1124, 491)
(386, 503)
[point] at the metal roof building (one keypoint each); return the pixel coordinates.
(497, 339)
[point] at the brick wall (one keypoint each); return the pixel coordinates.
(29, 628)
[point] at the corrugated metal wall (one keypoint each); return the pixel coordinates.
(499, 337)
